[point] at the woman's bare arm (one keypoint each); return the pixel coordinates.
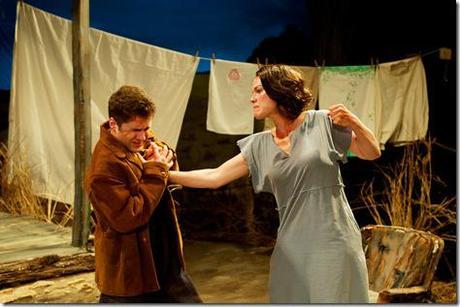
(212, 178)
(363, 143)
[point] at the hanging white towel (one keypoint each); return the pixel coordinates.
(41, 108)
(403, 101)
(229, 105)
(352, 86)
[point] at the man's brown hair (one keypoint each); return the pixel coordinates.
(128, 102)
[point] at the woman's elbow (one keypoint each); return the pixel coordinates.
(212, 180)
(215, 184)
(374, 154)
(377, 155)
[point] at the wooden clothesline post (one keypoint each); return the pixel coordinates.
(82, 118)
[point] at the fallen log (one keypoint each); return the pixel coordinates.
(15, 273)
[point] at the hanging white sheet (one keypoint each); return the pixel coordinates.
(41, 107)
(403, 101)
(352, 86)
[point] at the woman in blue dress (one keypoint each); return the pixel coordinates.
(318, 256)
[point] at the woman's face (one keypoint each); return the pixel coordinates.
(262, 105)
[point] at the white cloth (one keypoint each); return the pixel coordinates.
(41, 107)
(402, 100)
(229, 105)
(352, 86)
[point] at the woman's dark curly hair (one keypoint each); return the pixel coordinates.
(128, 102)
(285, 86)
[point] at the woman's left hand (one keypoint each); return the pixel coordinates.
(341, 116)
(363, 142)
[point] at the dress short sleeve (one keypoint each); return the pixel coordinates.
(339, 138)
(342, 140)
(252, 150)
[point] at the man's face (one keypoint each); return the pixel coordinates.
(132, 133)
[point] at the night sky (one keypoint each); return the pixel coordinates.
(230, 29)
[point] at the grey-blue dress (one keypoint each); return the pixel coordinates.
(318, 256)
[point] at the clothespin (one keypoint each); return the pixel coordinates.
(445, 53)
(316, 63)
(196, 55)
(258, 62)
(374, 63)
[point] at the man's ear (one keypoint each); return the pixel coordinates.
(113, 124)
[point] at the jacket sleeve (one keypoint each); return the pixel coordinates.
(127, 204)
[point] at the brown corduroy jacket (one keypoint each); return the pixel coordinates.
(133, 209)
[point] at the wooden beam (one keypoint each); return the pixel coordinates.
(13, 274)
(82, 117)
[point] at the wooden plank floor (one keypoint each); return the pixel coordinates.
(23, 237)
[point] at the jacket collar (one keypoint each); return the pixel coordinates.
(119, 150)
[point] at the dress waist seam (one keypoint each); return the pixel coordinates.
(323, 187)
(309, 190)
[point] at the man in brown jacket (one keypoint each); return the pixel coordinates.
(138, 243)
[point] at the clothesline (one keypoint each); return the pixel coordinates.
(430, 52)
(372, 59)
(422, 55)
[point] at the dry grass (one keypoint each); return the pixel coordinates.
(17, 196)
(406, 197)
